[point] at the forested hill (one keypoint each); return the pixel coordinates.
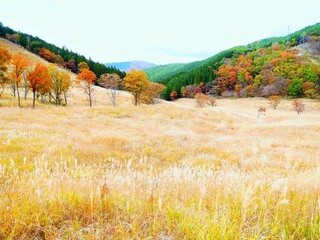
(54, 54)
(127, 66)
(176, 76)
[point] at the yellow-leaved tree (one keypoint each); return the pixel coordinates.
(136, 82)
(5, 58)
(61, 83)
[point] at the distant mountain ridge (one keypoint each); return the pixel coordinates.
(127, 66)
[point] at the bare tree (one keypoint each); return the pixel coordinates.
(113, 83)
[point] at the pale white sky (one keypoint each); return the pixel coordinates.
(158, 31)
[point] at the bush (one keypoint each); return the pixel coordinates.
(261, 110)
(307, 86)
(173, 95)
(212, 102)
(201, 100)
(311, 93)
(298, 106)
(274, 101)
(229, 94)
(295, 87)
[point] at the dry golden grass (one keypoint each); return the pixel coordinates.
(16, 49)
(168, 171)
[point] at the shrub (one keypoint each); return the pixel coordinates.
(298, 106)
(201, 100)
(261, 110)
(250, 90)
(307, 86)
(211, 102)
(295, 87)
(228, 94)
(311, 93)
(173, 95)
(274, 101)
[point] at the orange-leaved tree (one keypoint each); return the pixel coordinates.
(173, 95)
(135, 82)
(20, 64)
(39, 81)
(5, 58)
(86, 79)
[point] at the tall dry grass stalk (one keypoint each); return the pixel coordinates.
(168, 171)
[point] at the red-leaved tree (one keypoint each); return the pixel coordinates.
(39, 81)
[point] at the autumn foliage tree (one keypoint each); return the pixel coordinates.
(50, 56)
(113, 83)
(152, 93)
(5, 58)
(274, 101)
(136, 82)
(298, 106)
(83, 65)
(173, 95)
(61, 82)
(71, 64)
(20, 64)
(86, 79)
(39, 81)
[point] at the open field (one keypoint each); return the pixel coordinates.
(168, 171)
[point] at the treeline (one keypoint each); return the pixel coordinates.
(54, 54)
(52, 84)
(206, 70)
(263, 73)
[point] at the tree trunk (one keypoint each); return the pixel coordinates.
(90, 95)
(65, 98)
(34, 99)
(25, 92)
(136, 100)
(17, 87)
(57, 100)
(13, 85)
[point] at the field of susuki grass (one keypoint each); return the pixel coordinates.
(167, 171)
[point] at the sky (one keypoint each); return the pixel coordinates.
(157, 31)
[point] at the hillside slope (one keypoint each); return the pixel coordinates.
(76, 95)
(160, 72)
(178, 76)
(16, 49)
(127, 66)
